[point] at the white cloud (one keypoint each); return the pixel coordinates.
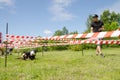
(59, 11)
(115, 7)
(4, 3)
(47, 32)
(63, 2)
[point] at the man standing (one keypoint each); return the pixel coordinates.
(97, 26)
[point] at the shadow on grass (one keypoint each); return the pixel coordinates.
(112, 54)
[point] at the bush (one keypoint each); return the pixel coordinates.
(89, 46)
(75, 47)
(24, 50)
(110, 45)
(65, 47)
(38, 49)
(2, 50)
(59, 48)
(15, 51)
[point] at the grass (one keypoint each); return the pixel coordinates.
(64, 65)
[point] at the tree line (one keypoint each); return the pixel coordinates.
(111, 22)
(64, 31)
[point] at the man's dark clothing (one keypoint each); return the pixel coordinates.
(97, 25)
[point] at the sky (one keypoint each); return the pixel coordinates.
(44, 17)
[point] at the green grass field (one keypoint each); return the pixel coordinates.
(64, 65)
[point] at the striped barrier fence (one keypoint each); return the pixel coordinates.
(23, 41)
(86, 35)
(61, 44)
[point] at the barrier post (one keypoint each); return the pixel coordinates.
(82, 50)
(6, 46)
(42, 50)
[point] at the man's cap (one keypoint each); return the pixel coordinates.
(95, 16)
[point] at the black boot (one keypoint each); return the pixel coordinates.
(102, 55)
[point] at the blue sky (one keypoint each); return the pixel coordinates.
(43, 17)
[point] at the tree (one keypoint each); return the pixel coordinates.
(105, 17)
(58, 33)
(113, 26)
(119, 19)
(74, 32)
(111, 20)
(65, 31)
(89, 20)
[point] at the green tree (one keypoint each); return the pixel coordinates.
(58, 33)
(89, 20)
(111, 20)
(118, 19)
(105, 17)
(65, 31)
(74, 32)
(113, 26)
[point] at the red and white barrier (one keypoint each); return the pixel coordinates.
(95, 42)
(61, 44)
(13, 38)
(87, 35)
(28, 41)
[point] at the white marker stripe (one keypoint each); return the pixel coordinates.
(79, 36)
(115, 34)
(101, 35)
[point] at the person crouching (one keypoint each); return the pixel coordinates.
(32, 55)
(29, 55)
(25, 55)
